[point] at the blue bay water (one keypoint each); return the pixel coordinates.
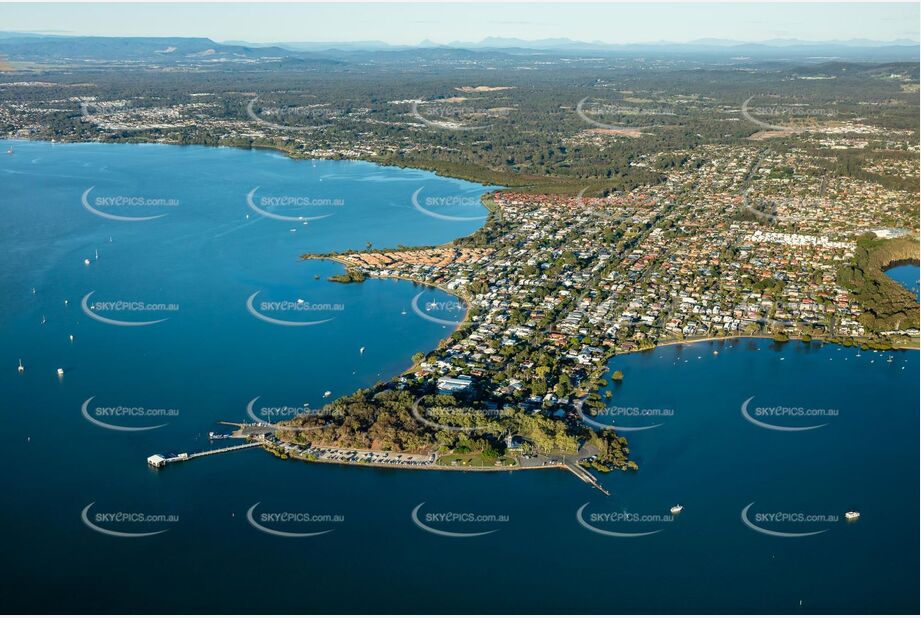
(907, 276)
(210, 357)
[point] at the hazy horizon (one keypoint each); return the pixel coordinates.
(445, 24)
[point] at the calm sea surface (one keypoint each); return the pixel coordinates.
(70, 482)
(907, 275)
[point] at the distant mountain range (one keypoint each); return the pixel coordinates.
(166, 50)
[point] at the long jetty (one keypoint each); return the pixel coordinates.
(160, 461)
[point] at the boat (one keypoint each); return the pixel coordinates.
(676, 509)
(86, 261)
(60, 372)
(21, 368)
(44, 319)
(97, 254)
(10, 151)
(361, 350)
(851, 515)
(889, 360)
(71, 338)
(327, 394)
(300, 301)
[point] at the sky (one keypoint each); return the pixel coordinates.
(449, 22)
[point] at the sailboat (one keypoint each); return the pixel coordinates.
(10, 151)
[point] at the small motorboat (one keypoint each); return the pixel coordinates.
(676, 509)
(86, 261)
(21, 368)
(327, 394)
(852, 515)
(60, 372)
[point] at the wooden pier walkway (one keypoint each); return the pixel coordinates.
(160, 461)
